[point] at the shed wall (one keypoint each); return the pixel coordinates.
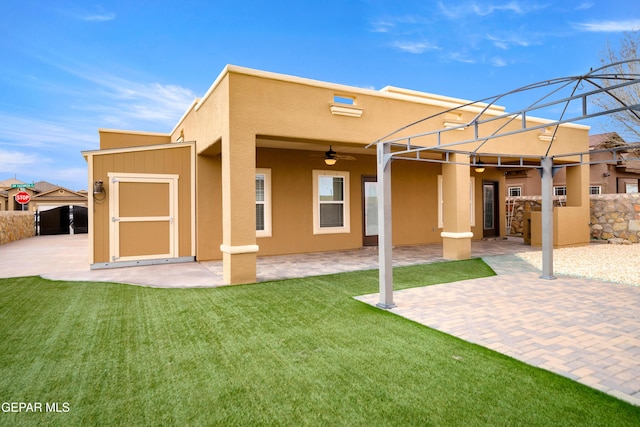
(153, 161)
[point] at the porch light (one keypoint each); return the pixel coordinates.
(99, 193)
(480, 166)
(98, 188)
(330, 157)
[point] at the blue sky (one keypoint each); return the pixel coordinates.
(71, 67)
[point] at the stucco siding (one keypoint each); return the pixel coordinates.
(209, 207)
(110, 139)
(415, 203)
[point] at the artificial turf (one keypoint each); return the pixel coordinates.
(292, 352)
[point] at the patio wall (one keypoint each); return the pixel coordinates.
(16, 225)
(613, 216)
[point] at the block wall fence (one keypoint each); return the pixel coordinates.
(16, 225)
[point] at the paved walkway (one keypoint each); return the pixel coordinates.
(584, 329)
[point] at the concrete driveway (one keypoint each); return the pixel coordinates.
(66, 257)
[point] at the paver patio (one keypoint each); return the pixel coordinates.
(586, 330)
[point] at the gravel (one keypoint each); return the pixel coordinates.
(612, 263)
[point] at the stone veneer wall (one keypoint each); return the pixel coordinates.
(526, 204)
(613, 216)
(16, 225)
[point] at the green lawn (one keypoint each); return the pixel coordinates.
(293, 352)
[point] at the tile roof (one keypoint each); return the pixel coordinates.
(605, 138)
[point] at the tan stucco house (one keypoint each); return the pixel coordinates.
(267, 164)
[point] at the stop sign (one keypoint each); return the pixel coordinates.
(22, 197)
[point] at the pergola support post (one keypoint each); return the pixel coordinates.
(547, 217)
(385, 258)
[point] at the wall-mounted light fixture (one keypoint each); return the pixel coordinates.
(98, 187)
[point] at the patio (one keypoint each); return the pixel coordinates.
(65, 257)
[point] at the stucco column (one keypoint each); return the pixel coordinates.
(238, 208)
(578, 185)
(579, 202)
(456, 234)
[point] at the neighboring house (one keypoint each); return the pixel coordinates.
(605, 178)
(620, 177)
(58, 210)
(5, 186)
(268, 164)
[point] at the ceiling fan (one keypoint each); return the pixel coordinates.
(331, 157)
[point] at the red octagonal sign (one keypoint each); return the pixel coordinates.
(22, 197)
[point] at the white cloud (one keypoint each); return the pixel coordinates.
(57, 162)
(484, 9)
(99, 17)
(128, 103)
(147, 101)
(505, 43)
(414, 47)
(458, 57)
(37, 149)
(609, 26)
(74, 178)
(585, 6)
(19, 131)
(497, 61)
(382, 26)
(98, 14)
(29, 167)
(488, 9)
(12, 161)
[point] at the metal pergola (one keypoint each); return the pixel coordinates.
(568, 94)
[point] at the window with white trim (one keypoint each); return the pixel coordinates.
(331, 202)
(472, 202)
(263, 202)
(560, 190)
(515, 191)
(595, 189)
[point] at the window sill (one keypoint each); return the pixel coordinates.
(337, 230)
